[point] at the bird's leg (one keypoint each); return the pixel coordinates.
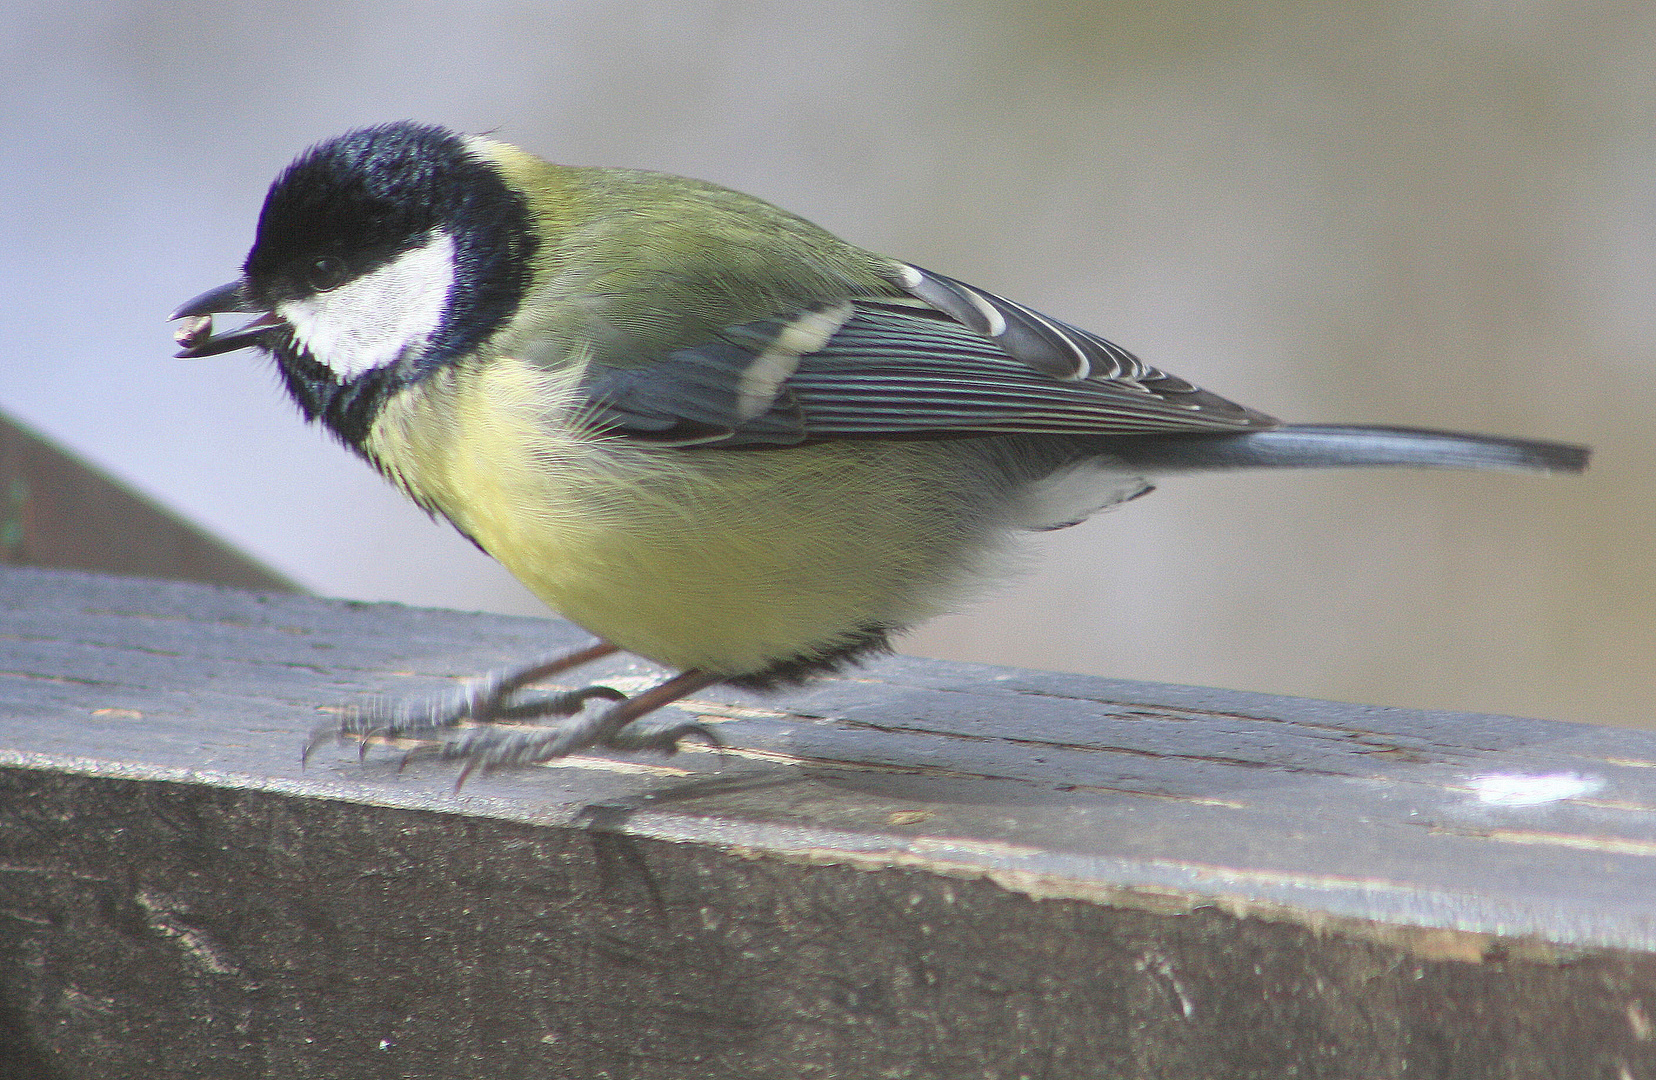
(481, 701)
(617, 727)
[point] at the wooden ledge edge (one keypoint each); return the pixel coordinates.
(1441, 926)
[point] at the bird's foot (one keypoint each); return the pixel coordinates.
(491, 723)
(618, 727)
(494, 747)
(494, 698)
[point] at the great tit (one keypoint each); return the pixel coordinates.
(700, 427)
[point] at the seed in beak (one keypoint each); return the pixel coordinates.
(193, 330)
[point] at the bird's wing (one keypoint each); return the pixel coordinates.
(946, 361)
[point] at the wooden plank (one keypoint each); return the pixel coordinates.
(920, 870)
(58, 511)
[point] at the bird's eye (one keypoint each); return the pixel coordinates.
(325, 273)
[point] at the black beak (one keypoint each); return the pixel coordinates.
(196, 337)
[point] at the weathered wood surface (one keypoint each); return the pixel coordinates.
(921, 870)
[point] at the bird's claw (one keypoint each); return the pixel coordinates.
(489, 723)
(490, 749)
(487, 701)
(663, 738)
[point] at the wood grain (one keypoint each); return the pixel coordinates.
(922, 869)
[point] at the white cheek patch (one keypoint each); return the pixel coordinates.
(379, 317)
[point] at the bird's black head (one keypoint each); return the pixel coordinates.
(380, 255)
(352, 204)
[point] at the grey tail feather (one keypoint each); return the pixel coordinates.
(1332, 446)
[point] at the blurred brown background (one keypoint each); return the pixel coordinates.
(1437, 214)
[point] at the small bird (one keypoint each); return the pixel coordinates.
(702, 428)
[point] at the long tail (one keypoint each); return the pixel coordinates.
(1324, 446)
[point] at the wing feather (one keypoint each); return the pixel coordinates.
(952, 362)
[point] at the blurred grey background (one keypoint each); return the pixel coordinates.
(1438, 214)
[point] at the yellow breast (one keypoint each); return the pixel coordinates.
(724, 560)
